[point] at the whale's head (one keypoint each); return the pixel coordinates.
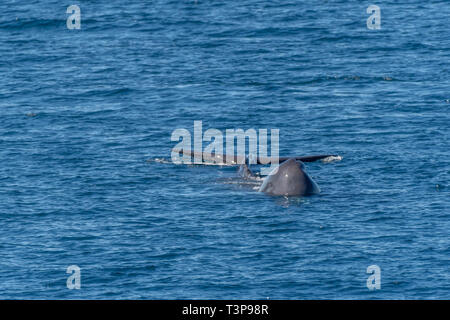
(289, 179)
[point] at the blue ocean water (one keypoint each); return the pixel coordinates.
(85, 114)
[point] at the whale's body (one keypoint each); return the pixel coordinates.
(289, 179)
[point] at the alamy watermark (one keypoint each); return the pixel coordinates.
(374, 280)
(257, 146)
(74, 280)
(374, 21)
(74, 20)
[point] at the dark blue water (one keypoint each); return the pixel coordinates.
(85, 113)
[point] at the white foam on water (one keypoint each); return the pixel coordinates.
(159, 160)
(332, 159)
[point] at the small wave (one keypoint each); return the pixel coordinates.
(242, 182)
(159, 160)
(28, 23)
(107, 92)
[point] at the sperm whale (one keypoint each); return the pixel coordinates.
(289, 178)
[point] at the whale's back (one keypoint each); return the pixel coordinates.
(289, 179)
